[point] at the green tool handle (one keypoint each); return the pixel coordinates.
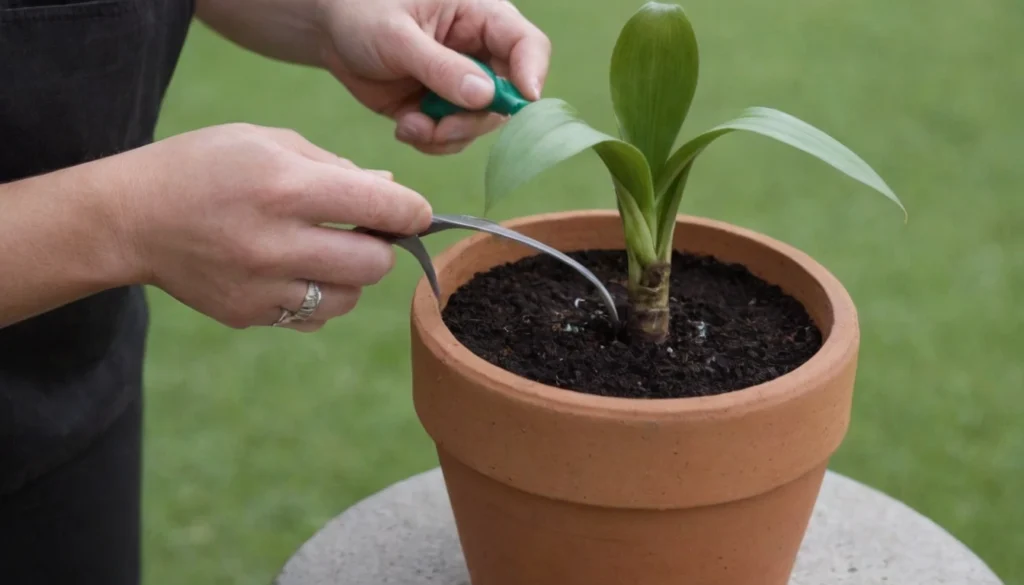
(507, 99)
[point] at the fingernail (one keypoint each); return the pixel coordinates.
(408, 133)
(457, 135)
(535, 86)
(476, 90)
(385, 174)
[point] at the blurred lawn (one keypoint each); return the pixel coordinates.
(256, 438)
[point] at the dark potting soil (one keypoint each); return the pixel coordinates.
(541, 320)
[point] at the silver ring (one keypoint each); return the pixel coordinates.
(306, 310)
(310, 302)
(285, 318)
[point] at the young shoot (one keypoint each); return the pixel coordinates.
(653, 76)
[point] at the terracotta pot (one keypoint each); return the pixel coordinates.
(555, 487)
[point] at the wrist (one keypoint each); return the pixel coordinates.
(61, 236)
(323, 14)
(98, 196)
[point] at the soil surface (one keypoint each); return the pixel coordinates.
(541, 320)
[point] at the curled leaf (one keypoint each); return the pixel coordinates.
(653, 77)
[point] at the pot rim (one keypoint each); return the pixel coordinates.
(839, 341)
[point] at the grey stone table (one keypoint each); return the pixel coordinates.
(405, 535)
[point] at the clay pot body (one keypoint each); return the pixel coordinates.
(555, 487)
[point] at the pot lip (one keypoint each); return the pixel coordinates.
(839, 346)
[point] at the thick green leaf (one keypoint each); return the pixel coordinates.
(548, 132)
(782, 127)
(654, 72)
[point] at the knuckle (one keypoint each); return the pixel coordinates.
(283, 189)
(393, 30)
(375, 207)
(393, 27)
(264, 261)
(289, 135)
(399, 31)
(442, 70)
(419, 216)
(244, 135)
(241, 128)
(247, 255)
(256, 258)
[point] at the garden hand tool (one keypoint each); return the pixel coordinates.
(440, 223)
(507, 99)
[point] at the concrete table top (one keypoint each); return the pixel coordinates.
(405, 535)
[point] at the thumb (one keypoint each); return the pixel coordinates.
(447, 73)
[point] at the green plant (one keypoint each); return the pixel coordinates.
(653, 74)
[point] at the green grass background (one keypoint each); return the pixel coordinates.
(256, 438)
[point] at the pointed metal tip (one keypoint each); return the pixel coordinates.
(414, 245)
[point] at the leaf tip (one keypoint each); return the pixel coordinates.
(886, 190)
(655, 6)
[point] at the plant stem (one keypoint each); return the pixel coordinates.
(648, 318)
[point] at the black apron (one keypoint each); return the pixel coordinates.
(79, 80)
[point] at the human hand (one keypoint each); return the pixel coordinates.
(388, 53)
(228, 221)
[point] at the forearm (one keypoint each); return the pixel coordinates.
(60, 240)
(279, 29)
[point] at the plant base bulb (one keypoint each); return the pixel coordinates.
(648, 319)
